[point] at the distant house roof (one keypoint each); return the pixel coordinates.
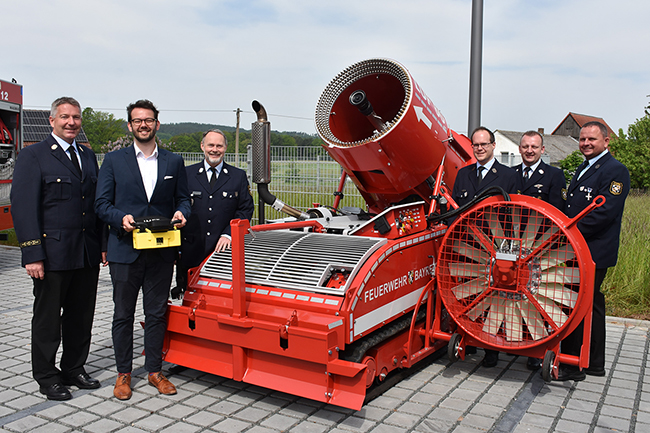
(578, 120)
(557, 147)
(36, 127)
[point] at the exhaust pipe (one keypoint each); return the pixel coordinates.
(261, 147)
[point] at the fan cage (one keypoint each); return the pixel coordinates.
(509, 275)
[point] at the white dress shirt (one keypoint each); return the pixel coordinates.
(148, 169)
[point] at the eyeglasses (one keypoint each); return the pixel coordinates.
(149, 121)
(483, 145)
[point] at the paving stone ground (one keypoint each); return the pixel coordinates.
(442, 397)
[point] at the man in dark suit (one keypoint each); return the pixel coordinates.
(599, 174)
(487, 172)
(60, 239)
(537, 179)
(474, 178)
(219, 193)
(138, 181)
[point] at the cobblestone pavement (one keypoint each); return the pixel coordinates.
(442, 397)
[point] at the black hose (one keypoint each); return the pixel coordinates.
(488, 192)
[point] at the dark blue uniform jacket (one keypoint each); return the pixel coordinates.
(546, 183)
(466, 185)
(52, 207)
(213, 209)
(601, 228)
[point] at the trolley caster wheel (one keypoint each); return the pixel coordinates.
(548, 366)
(453, 347)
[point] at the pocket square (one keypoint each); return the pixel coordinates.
(168, 177)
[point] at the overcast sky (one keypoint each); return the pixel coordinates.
(199, 60)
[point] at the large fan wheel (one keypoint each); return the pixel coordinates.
(512, 274)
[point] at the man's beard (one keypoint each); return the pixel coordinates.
(214, 160)
(144, 136)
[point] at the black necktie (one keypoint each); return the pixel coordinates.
(527, 171)
(213, 178)
(73, 158)
(479, 172)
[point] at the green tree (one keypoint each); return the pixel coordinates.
(101, 128)
(570, 164)
(186, 142)
(633, 150)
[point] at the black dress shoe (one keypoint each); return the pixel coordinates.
(570, 373)
(533, 363)
(56, 392)
(594, 371)
(81, 381)
(491, 358)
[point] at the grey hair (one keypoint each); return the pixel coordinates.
(218, 131)
(63, 100)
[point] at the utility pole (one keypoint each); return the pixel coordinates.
(237, 139)
(475, 67)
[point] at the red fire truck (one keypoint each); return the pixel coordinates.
(11, 140)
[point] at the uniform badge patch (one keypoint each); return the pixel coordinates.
(616, 188)
(564, 194)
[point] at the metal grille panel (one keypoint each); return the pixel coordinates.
(295, 260)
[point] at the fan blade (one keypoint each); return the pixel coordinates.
(557, 256)
(478, 309)
(534, 320)
(533, 223)
(513, 325)
(516, 217)
(479, 236)
(546, 236)
(554, 312)
(561, 275)
(470, 288)
(466, 270)
(559, 293)
(470, 252)
(496, 228)
(495, 316)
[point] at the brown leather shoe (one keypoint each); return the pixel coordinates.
(164, 386)
(122, 390)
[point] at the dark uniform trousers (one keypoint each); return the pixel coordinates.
(76, 291)
(601, 229)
